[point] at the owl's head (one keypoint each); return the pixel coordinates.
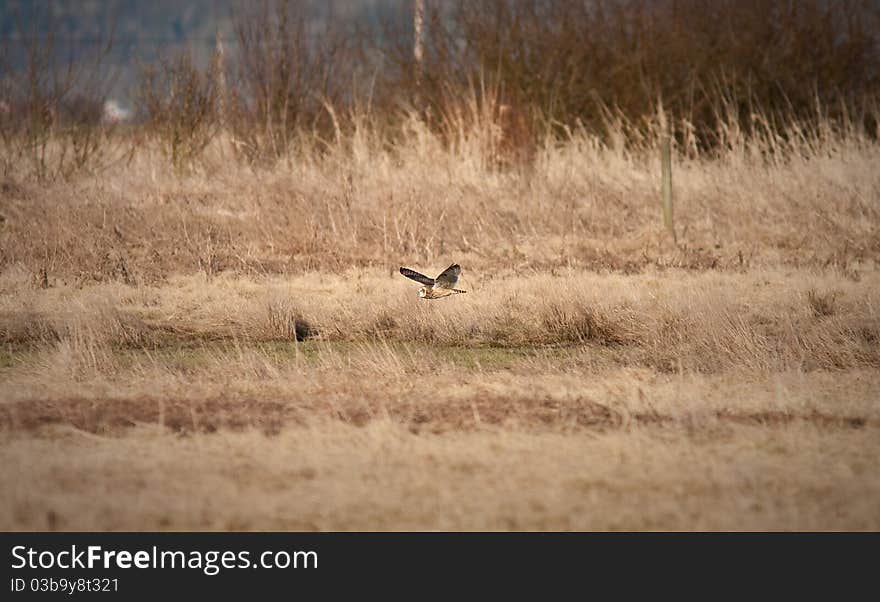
(423, 292)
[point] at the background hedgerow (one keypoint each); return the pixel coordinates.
(508, 73)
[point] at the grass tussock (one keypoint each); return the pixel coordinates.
(284, 321)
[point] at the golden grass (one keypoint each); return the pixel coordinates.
(703, 321)
(234, 349)
(338, 476)
(365, 201)
(620, 402)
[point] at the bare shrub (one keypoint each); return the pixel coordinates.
(51, 103)
(291, 67)
(178, 103)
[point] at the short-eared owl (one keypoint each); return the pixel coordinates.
(441, 286)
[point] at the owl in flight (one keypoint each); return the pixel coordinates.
(441, 286)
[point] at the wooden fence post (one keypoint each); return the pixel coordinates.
(418, 40)
(666, 183)
(220, 75)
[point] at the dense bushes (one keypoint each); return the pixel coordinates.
(545, 65)
(572, 61)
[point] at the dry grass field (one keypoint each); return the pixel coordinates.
(233, 348)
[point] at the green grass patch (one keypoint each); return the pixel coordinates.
(191, 355)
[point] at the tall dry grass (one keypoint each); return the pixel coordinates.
(764, 322)
(637, 387)
(372, 200)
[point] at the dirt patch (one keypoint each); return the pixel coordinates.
(210, 415)
(104, 416)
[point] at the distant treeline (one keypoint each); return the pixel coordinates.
(570, 61)
(554, 64)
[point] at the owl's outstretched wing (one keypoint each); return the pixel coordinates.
(413, 275)
(449, 277)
